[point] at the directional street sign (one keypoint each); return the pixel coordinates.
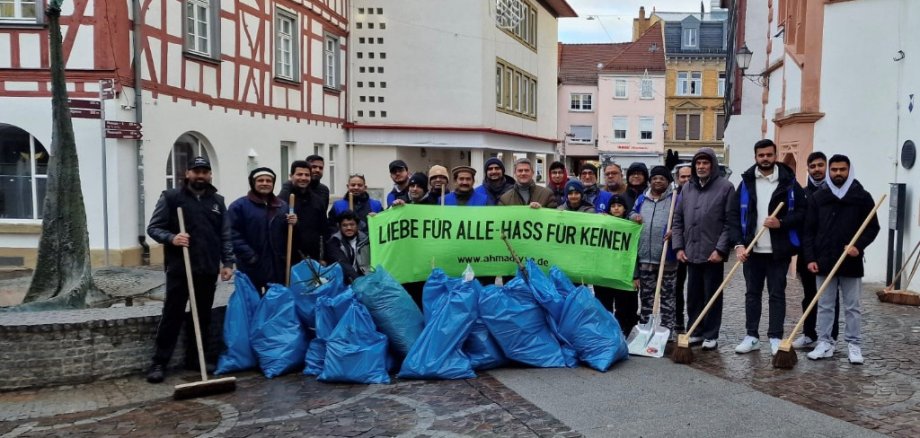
(123, 130)
(85, 109)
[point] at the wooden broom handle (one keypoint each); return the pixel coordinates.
(290, 241)
(830, 276)
(906, 262)
(515, 257)
(728, 277)
(656, 307)
(191, 298)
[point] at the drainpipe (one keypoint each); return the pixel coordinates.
(139, 118)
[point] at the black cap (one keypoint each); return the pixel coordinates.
(199, 162)
(419, 179)
(398, 164)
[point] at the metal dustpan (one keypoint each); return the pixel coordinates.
(648, 339)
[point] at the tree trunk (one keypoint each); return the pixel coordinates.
(63, 274)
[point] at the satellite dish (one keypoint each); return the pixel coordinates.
(508, 13)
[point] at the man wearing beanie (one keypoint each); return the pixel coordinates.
(575, 198)
(702, 240)
(416, 190)
(463, 193)
(526, 191)
(259, 228)
(593, 194)
(496, 182)
(558, 177)
(437, 184)
(637, 179)
(399, 173)
(652, 209)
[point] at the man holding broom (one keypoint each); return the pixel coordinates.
(311, 215)
(210, 251)
(834, 215)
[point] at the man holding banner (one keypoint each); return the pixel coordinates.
(526, 191)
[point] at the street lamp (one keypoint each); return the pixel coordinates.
(743, 61)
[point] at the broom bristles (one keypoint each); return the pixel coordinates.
(682, 353)
(785, 359)
(204, 388)
(901, 297)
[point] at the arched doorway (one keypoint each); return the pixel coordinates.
(186, 147)
(23, 174)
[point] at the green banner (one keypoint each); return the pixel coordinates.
(590, 248)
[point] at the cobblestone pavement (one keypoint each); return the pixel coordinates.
(883, 394)
(291, 405)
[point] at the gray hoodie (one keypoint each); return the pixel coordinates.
(701, 219)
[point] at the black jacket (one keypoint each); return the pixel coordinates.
(310, 231)
(779, 237)
(830, 223)
(207, 224)
(322, 192)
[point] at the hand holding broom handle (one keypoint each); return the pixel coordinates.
(290, 240)
(786, 344)
(656, 308)
(684, 339)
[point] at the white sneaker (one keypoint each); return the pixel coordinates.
(821, 351)
(856, 356)
(774, 346)
(803, 342)
(710, 344)
(695, 339)
(747, 345)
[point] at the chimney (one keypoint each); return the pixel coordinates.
(641, 13)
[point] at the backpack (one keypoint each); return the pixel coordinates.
(745, 198)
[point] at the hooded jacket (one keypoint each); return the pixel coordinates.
(782, 246)
(258, 230)
(643, 169)
(701, 221)
(493, 194)
(831, 222)
(654, 225)
(355, 267)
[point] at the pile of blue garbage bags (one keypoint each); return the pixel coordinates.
(364, 332)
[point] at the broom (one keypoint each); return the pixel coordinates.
(290, 240)
(205, 386)
(682, 353)
(903, 296)
(785, 357)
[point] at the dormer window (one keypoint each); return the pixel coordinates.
(691, 37)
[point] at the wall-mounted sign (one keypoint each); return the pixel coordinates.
(908, 154)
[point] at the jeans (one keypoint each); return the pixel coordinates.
(174, 315)
(850, 288)
(703, 279)
(810, 288)
(760, 268)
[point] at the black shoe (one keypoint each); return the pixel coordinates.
(156, 373)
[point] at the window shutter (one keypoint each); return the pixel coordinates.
(681, 127)
(720, 126)
(694, 127)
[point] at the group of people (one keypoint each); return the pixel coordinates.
(711, 218)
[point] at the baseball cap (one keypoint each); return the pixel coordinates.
(199, 162)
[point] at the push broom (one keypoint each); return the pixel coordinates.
(903, 296)
(205, 386)
(785, 357)
(682, 352)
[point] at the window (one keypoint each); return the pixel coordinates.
(24, 11)
(620, 125)
(683, 84)
(186, 147)
(581, 102)
(286, 148)
(689, 83)
(23, 173)
(581, 134)
(645, 89)
(499, 70)
(690, 36)
(331, 62)
(330, 166)
(687, 127)
(526, 30)
(646, 125)
(286, 53)
(721, 83)
(620, 89)
(696, 83)
(201, 37)
(318, 149)
(515, 90)
(720, 126)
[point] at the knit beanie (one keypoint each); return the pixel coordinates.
(491, 161)
(259, 171)
(661, 171)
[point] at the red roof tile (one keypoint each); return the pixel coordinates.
(578, 62)
(646, 53)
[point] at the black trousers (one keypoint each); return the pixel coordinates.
(679, 291)
(703, 279)
(174, 315)
(810, 289)
(623, 303)
(758, 269)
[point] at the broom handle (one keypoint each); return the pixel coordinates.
(515, 257)
(191, 298)
(906, 262)
(290, 241)
(656, 308)
(830, 276)
(728, 277)
(912, 272)
(351, 201)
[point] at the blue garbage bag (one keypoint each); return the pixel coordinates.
(240, 309)
(561, 281)
(594, 332)
(355, 351)
(553, 302)
(436, 287)
(329, 310)
(393, 310)
(519, 325)
(277, 337)
(307, 290)
(481, 347)
(438, 352)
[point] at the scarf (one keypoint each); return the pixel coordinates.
(817, 184)
(841, 191)
(524, 191)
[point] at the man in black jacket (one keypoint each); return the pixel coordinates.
(350, 248)
(310, 231)
(317, 167)
(207, 237)
(834, 214)
(763, 186)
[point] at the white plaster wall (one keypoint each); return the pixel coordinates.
(869, 123)
(632, 108)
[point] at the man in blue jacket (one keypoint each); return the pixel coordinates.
(496, 183)
(259, 229)
(463, 193)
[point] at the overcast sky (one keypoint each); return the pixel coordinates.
(616, 17)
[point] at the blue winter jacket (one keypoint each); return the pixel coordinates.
(477, 199)
(259, 230)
